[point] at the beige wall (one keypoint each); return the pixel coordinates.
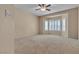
(26, 24)
(72, 21)
(16, 25)
(78, 22)
(7, 29)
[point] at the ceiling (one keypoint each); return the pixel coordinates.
(53, 7)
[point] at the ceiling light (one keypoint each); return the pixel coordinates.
(43, 9)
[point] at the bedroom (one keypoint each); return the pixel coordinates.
(39, 28)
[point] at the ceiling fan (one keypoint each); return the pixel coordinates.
(44, 7)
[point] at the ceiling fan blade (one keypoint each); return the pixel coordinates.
(48, 9)
(39, 5)
(43, 5)
(48, 5)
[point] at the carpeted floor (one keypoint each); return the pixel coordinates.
(46, 44)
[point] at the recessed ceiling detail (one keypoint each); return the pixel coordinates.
(53, 8)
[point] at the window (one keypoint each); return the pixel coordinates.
(52, 25)
(59, 25)
(46, 25)
(56, 24)
(63, 24)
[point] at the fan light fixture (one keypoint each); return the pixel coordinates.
(43, 9)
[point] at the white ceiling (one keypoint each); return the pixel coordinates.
(53, 7)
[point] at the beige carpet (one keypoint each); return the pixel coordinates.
(46, 44)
